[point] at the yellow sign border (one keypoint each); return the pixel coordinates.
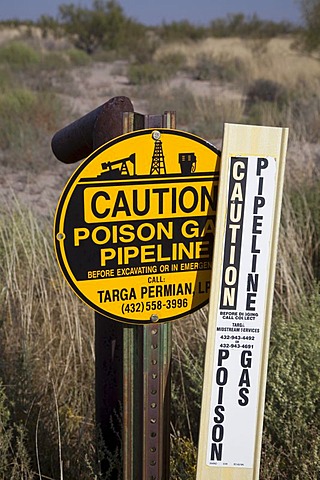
(64, 202)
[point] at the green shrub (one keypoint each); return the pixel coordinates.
(232, 69)
(292, 415)
(206, 67)
(305, 201)
(220, 68)
(14, 459)
(238, 25)
(78, 58)
(267, 103)
(263, 90)
(144, 74)
(15, 109)
(183, 459)
(19, 56)
(304, 117)
(54, 61)
(7, 80)
(271, 103)
(137, 43)
(103, 26)
(173, 62)
(182, 30)
(157, 71)
(25, 116)
(310, 36)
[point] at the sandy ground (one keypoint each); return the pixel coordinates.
(40, 190)
(93, 85)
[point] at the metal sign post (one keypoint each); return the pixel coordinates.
(248, 218)
(146, 374)
(132, 362)
(133, 236)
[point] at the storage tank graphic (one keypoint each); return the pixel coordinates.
(187, 163)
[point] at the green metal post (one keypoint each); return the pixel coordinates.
(146, 379)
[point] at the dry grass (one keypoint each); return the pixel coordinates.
(295, 271)
(47, 352)
(273, 59)
(47, 338)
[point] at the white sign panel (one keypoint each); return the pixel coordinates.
(240, 304)
(240, 320)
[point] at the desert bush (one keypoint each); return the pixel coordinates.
(292, 417)
(156, 71)
(271, 103)
(266, 91)
(78, 58)
(138, 44)
(206, 67)
(139, 51)
(14, 459)
(105, 25)
(304, 116)
(239, 25)
(85, 27)
(184, 458)
(25, 116)
(48, 26)
(15, 107)
(267, 103)
(144, 74)
(19, 56)
(309, 36)
(53, 61)
(182, 30)
(7, 80)
(172, 61)
(56, 61)
(305, 200)
(221, 68)
(297, 250)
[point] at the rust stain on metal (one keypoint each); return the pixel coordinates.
(81, 137)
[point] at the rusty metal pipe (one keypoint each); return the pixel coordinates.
(80, 138)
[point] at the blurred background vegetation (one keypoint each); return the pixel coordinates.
(237, 69)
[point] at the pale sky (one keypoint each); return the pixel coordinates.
(153, 12)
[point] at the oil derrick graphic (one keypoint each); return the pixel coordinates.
(158, 165)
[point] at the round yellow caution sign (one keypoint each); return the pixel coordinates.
(134, 226)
